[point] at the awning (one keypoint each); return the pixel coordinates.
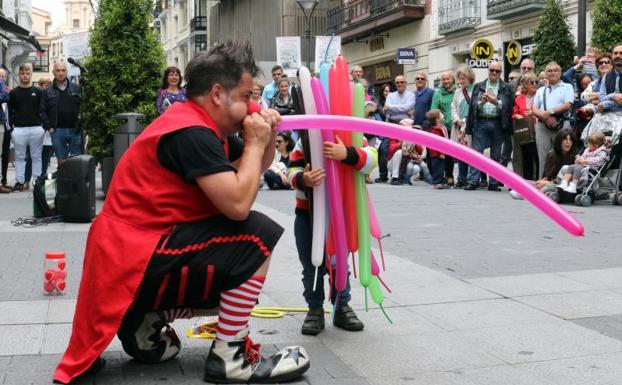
(20, 33)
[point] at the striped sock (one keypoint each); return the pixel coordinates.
(235, 308)
(173, 314)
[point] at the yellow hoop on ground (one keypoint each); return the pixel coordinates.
(208, 330)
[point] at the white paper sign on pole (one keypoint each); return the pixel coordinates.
(288, 54)
(321, 44)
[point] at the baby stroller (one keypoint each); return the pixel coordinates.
(602, 183)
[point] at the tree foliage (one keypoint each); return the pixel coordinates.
(552, 37)
(607, 24)
(124, 69)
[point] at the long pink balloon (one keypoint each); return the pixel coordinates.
(374, 225)
(337, 220)
(500, 173)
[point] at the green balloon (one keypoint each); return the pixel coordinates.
(360, 190)
(376, 290)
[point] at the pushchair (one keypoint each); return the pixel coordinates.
(602, 183)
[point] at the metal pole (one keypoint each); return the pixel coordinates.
(581, 25)
(308, 36)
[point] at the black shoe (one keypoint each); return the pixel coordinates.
(345, 318)
(381, 180)
(460, 184)
(240, 362)
(494, 187)
(148, 338)
(314, 322)
(470, 187)
(396, 182)
(483, 183)
(18, 187)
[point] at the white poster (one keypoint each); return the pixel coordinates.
(75, 45)
(288, 54)
(321, 44)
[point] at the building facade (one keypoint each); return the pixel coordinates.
(456, 24)
(372, 32)
(79, 18)
(261, 21)
(182, 25)
(17, 45)
(41, 23)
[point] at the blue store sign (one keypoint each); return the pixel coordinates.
(406, 55)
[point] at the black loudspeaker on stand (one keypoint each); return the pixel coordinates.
(75, 189)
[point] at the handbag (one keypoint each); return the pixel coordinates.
(559, 119)
(524, 131)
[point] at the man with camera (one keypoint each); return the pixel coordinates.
(552, 105)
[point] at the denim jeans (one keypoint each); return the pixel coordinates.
(66, 142)
(487, 133)
(383, 151)
(314, 299)
(437, 169)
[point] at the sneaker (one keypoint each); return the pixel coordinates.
(346, 318)
(571, 188)
(515, 195)
(313, 323)
(563, 185)
(240, 361)
(148, 338)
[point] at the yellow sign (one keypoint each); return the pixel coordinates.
(514, 52)
(482, 49)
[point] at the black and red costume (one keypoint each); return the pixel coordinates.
(159, 242)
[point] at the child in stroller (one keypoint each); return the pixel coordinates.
(595, 156)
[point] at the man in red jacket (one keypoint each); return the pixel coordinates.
(176, 235)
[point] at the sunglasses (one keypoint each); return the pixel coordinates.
(400, 82)
(604, 62)
(420, 79)
(494, 71)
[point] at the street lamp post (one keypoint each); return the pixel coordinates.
(308, 6)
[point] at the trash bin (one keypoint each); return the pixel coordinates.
(126, 133)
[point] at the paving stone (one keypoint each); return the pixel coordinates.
(592, 370)
(480, 314)
(581, 304)
(539, 342)
(61, 310)
(532, 284)
(598, 278)
(438, 292)
(23, 312)
(505, 375)
(20, 339)
(611, 326)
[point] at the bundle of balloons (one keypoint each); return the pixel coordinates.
(343, 216)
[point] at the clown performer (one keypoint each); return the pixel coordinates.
(177, 238)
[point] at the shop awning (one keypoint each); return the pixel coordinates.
(21, 33)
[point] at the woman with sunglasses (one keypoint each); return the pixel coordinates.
(276, 176)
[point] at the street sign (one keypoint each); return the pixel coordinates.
(514, 52)
(482, 49)
(406, 55)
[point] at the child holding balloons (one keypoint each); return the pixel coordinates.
(302, 178)
(436, 158)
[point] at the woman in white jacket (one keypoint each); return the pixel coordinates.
(459, 112)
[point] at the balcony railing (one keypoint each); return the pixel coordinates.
(506, 9)
(360, 17)
(198, 23)
(458, 15)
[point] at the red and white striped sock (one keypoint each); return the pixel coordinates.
(236, 306)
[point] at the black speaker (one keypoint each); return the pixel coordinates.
(75, 189)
